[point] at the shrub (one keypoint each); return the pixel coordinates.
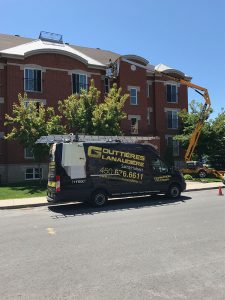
(188, 177)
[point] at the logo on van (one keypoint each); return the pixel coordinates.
(95, 152)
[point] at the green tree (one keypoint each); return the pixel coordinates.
(108, 115)
(78, 110)
(211, 140)
(216, 146)
(85, 114)
(28, 122)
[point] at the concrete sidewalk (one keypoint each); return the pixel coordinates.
(41, 201)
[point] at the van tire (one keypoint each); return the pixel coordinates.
(99, 198)
(174, 191)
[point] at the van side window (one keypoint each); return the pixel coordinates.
(159, 167)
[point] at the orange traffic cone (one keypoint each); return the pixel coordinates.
(220, 192)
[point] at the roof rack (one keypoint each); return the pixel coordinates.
(70, 138)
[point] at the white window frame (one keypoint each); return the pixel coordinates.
(86, 82)
(133, 97)
(33, 173)
(175, 145)
(134, 128)
(149, 111)
(106, 85)
(32, 90)
(176, 95)
(26, 153)
(149, 86)
(41, 101)
(173, 112)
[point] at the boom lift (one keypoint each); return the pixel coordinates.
(113, 72)
(203, 117)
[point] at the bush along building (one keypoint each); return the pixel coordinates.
(48, 70)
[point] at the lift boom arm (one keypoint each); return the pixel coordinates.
(203, 115)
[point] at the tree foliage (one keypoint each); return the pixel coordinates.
(211, 142)
(82, 114)
(85, 114)
(27, 123)
(108, 115)
(78, 110)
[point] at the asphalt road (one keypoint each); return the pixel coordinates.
(133, 249)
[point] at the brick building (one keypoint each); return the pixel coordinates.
(49, 70)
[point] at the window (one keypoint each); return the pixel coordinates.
(79, 83)
(133, 96)
(134, 125)
(159, 167)
(171, 93)
(106, 85)
(174, 144)
(28, 153)
(172, 119)
(149, 90)
(37, 102)
(149, 110)
(32, 80)
(33, 174)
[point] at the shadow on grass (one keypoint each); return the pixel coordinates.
(32, 187)
(114, 205)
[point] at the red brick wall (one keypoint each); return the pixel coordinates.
(57, 85)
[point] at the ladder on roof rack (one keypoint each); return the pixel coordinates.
(69, 138)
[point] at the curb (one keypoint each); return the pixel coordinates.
(17, 206)
(202, 189)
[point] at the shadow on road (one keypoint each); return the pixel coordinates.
(79, 209)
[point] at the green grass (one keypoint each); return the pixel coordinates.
(23, 190)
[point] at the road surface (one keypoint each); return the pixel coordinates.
(132, 249)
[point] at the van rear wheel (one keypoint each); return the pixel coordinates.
(99, 198)
(174, 191)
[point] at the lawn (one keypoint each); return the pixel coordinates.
(23, 190)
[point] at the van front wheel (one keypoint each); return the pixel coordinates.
(174, 191)
(99, 198)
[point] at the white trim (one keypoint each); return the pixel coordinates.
(171, 136)
(80, 72)
(31, 66)
(24, 79)
(134, 88)
(42, 101)
(166, 109)
(33, 178)
(177, 119)
(149, 82)
(129, 87)
(2, 100)
(2, 66)
(25, 154)
(136, 57)
(38, 46)
(171, 82)
(133, 63)
(138, 117)
(72, 93)
(49, 68)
